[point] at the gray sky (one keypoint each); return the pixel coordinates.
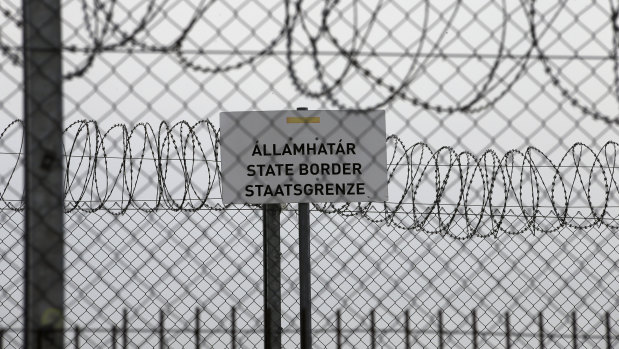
(523, 274)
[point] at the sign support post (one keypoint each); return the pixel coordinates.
(272, 276)
(305, 276)
(285, 156)
(305, 273)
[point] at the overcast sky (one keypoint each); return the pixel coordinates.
(444, 54)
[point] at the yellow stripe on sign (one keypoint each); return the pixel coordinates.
(303, 120)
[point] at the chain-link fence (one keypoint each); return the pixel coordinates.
(499, 231)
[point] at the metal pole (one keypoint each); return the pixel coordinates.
(609, 343)
(114, 337)
(125, 339)
(161, 329)
(77, 337)
(574, 331)
(305, 276)
(541, 330)
(372, 330)
(475, 333)
(407, 329)
(233, 334)
(44, 197)
(197, 328)
(508, 336)
(272, 276)
(441, 342)
(338, 328)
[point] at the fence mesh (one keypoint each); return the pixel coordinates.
(501, 155)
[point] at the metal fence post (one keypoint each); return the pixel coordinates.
(125, 330)
(372, 330)
(305, 274)
(407, 329)
(508, 336)
(196, 330)
(272, 276)
(475, 332)
(608, 336)
(114, 336)
(441, 342)
(162, 344)
(541, 330)
(338, 329)
(233, 330)
(76, 337)
(305, 277)
(44, 197)
(574, 331)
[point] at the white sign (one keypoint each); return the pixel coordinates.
(303, 156)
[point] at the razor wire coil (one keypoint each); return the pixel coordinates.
(108, 169)
(105, 32)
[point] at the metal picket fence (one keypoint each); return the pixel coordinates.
(501, 224)
(119, 336)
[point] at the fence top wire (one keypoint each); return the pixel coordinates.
(105, 28)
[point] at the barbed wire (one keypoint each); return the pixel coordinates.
(176, 167)
(105, 30)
